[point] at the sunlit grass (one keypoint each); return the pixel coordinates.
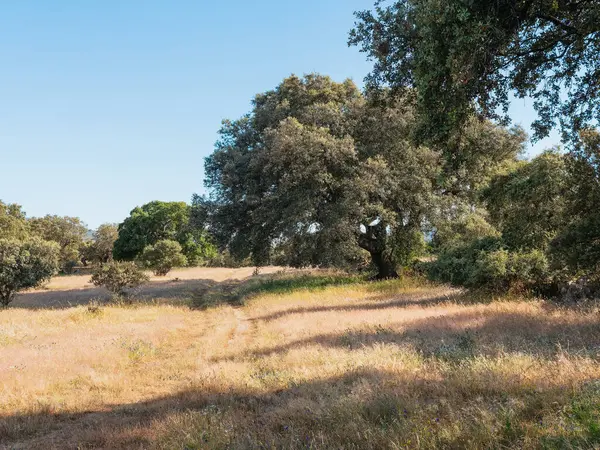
(309, 361)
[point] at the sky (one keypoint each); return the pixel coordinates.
(109, 104)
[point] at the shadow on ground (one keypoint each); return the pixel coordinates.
(362, 407)
(200, 293)
(323, 413)
(235, 292)
(176, 292)
(460, 335)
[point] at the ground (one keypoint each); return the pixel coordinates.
(219, 358)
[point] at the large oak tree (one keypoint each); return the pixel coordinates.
(320, 173)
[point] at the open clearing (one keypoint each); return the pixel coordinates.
(299, 365)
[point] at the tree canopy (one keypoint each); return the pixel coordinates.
(528, 204)
(162, 257)
(577, 247)
(468, 56)
(68, 232)
(100, 248)
(320, 173)
(156, 221)
(25, 264)
(13, 223)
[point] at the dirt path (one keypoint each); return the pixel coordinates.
(241, 333)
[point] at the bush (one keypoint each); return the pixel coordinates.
(162, 257)
(117, 276)
(225, 259)
(577, 248)
(486, 263)
(25, 264)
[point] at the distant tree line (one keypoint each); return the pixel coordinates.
(157, 236)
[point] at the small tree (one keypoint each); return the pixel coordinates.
(25, 264)
(157, 221)
(100, 249)
(13, 223)
(117, 276)
(163, 256)
(68, 232)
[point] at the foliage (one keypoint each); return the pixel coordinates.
(528, 204)
(506, 247)
(101, 250)
(464, 57)
(12, 222)
(162, 257)
(475, 154)
(156, 221)
(68, 232)
(462, 225)
(486, 263)
(87, 252)
(224, 259)
(197, 247)
(25, 264)
(577, 247)
(319, 174)
(117, 276)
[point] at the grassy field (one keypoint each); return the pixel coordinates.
(221, 359)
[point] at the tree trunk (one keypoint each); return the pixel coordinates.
(6, 298)
(385, 268)
(374, 241)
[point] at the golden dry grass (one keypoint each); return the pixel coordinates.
(368, 365)
(179, 284)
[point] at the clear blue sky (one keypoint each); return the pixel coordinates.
(105, 105)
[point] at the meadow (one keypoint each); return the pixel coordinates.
(222, 358)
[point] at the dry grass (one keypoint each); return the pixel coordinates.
(385, 365)
(180, 284)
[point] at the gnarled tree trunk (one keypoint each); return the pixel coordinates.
(386, 269)
(374, 241)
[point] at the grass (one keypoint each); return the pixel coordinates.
(292, 283)
(305, 361)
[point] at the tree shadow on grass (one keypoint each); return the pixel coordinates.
(236, 292)
(198, 294)
(375, 303)
(321, 413)
(169, 291)
(462, 335)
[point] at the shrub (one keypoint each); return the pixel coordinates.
(455, 263)
(25, 264)
(462, 227)
(486, 263)
(162, 257)
(225, 259)
(118, 276)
